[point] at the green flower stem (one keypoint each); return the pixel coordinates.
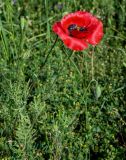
(73, 63)
(92, 66)
(49, 52)
(61, 68)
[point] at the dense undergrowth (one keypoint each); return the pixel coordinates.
(70, 108)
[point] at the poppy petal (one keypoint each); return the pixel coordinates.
(79, 18)
(70, 42)
(95, 32)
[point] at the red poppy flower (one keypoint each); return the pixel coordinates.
(78, 29)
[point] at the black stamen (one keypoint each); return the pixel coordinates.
(82, 29)
(72, 27)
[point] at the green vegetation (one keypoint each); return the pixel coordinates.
(71, 106)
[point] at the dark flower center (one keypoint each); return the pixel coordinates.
(77, 31)
(75, 27)
(72, 27)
